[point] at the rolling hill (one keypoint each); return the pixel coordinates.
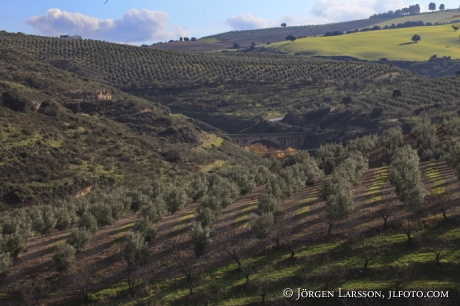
(393, 44)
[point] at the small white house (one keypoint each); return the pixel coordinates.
(67, 37)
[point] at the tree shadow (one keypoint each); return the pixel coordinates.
(407, 43)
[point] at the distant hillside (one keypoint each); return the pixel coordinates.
(263, 36)
(59, 140)
(435, 17)
(393, 44)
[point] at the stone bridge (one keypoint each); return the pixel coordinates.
(293, 140)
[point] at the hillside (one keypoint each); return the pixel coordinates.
(433, 17)
(393, 44)
(126, 196)
(236, 91)
(262, 36)
(56, 143)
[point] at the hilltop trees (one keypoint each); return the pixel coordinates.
(283, 24)
(442, 7)
(432, 6)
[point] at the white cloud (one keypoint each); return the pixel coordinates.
(248, 22)
(344, 10)
(134, 26)
(323, 11)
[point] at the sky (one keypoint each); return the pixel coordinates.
(148, 21)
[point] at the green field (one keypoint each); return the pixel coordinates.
(394, 44)
(441, 17)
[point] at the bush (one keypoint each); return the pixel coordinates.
(326, 154)
(64, 257)
(198, 187)
(136, 249)
(262, 225)
(268, 204)
(146, 227)
(14, 244)
(155, 211)
(176, 199)
(427, 141)
(49, 220)
(405, 176)
(5, 264)
(205, 215)
(89, 222)
(79, 238)
(201, 238)
(103, 213)
(299, 157)
(363, 144)
(64, 218)
(243, 178)
(391, 140)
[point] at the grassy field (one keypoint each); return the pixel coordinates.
(394, 44)
(440, 17)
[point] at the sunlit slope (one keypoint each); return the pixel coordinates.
(394, 44)
(446, 16)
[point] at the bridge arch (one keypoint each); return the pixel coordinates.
(277, 144)
(293, 140)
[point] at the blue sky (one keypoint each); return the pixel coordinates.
(143, 21)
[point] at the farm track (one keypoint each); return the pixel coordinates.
(173, 232)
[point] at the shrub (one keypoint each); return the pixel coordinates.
(268, 204)
(144, 226)
(136, 249)
(64, 218)
(64, 257)
(49, 220)
(176, 199)
(427, 142)
(155, 211)
(244, 179)
(205, 215)
(299, 157)
(362, 144)
(405, 176)
(5, 264)
(198, 187)
(14, 244)
(262, 225)
(103, 213)
(79, 238)
(201, 238)
(89, 222)
(391, 140)
(326, 154)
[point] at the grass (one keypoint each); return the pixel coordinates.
(275, 270)
(120, 234)
(216, 165)
(425, 17)
(303, 209)
(375, 191)
(437, 180)
(242, 218)
(181, 224)
(393, 44)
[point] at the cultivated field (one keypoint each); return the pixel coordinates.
(393, 44)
